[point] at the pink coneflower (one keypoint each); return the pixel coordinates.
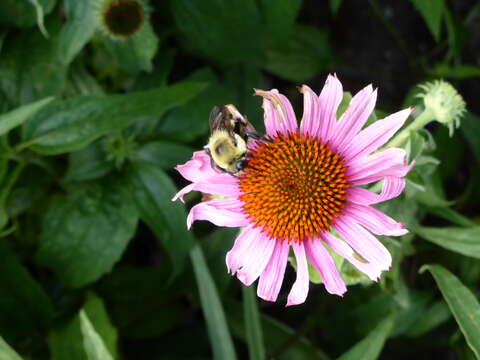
(303, 184)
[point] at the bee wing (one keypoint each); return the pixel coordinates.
(246, 126)
(217, 119)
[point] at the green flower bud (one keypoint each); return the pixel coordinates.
(444, 102)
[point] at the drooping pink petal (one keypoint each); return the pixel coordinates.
(272, 277)
(354, 118)
(282, 118)
(372, 270)
(329, 100)
(310, 120)
(256, 259)
(388, 162)
(392, 187)
(219, 212)
(321, 259)
(375, 135)
(234, 257)
(212, 188)
(375, 220)
(364, 243)
(299, 290)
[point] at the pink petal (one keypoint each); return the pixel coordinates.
(299, 290)
(376, 135)
(219, 212)
(256, 260)
(321, 259)
(198, 168)
(392, 187)
(329, 100)
(250, 255)
(213, 188)
(354, 118)
(363, 242)
(310, 120)
(375, 220)
(372, 270)
(272, 277)
(388, 162)
(282, 118)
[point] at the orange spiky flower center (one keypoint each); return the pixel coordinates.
(294, 187)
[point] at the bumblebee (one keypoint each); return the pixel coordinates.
(229, 135)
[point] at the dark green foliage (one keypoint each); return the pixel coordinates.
(96, 261)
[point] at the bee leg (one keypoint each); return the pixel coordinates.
(255, 136)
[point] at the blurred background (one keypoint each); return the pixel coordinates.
(101, 99)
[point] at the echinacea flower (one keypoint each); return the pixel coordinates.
(304, 183)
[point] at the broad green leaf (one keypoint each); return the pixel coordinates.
(463, 240)
(451, 215)
(463, 304)
(93, 343)
(23, 13)
(434, 316)
(81, 81)
(152, 191)
(220, 339)
(253, 328)
(25, 307)
(190, 121)
(279, 18)
(31, 70)
(371, 346)
(85, 232)
(88, 163)
(18, 116)
(134, 54)
(71, 124)
(432, 12)
(79, 27)
(470, 126)
(69, 341)
(162, 66)
(217, 28)
(302, 56)
(6, 352)
(163, 154)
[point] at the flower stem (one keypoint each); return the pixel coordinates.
(423, 119)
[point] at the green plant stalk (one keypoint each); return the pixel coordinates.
(423, 119)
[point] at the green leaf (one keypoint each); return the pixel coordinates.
(25, 308)
(88, 163)
(18, 116)
(134, 54)
(6, 352)
(71, 124)
(253, 328)
(23, 13)
(220, 339)
(190, 121)
(463, 240)
(456, 72)
(85, 232)
(280, 18)
(463, 304)
(370, 347)
(434, 316)
(217, 29)
(152, 191)
(432, 12)
(93, 343)
(72, 341)
(163, 154)
(335, 6)
(78, 29)
(302, 56)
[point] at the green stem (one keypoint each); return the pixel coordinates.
(423, 119)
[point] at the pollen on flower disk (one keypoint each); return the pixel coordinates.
(294, 187)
